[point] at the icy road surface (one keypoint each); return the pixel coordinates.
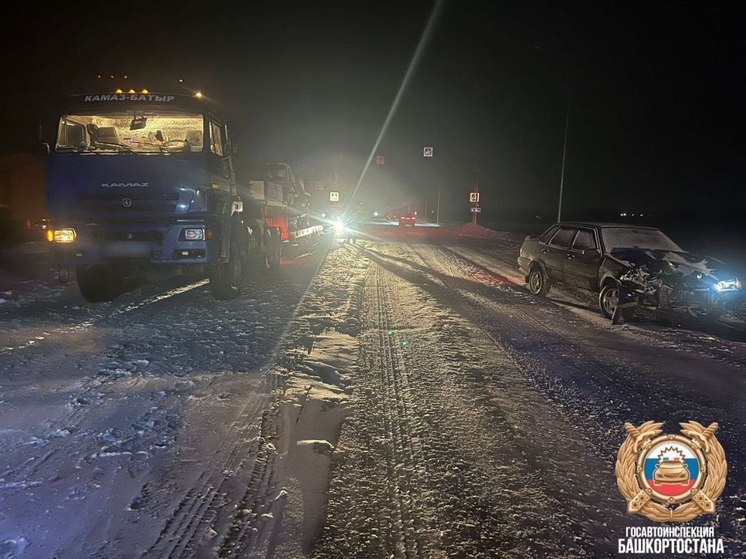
(414, 401)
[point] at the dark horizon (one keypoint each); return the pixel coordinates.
(656, 94)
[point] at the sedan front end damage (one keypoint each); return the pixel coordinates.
(675, 282)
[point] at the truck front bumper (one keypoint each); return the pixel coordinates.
(142, 243)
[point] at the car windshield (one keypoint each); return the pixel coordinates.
(131, 132)
(628, 237)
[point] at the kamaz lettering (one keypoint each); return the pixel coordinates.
(129, 97)
(124, 184)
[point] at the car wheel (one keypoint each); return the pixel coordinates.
(538, 283)
(608, 299)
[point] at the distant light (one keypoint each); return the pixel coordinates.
(181, 81)
(125, 77)
(118, 91)
(198, 95)
(131, 91)
(375, 214)
(99, 76)
(63, 235)
(111, 76)
(144, 91)
(405, 343)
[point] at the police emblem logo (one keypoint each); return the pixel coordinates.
(671, 478)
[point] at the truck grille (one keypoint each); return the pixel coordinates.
(144, 236)
(123, 203)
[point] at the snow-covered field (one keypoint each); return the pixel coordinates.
(405, 400)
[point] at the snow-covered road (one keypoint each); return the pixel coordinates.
(414, 401)
(125, 427)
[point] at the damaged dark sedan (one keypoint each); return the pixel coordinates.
(630, 267)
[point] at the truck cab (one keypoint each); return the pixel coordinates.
(138, 179)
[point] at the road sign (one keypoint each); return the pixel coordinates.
(319, 186)
(427, 152)
(474, 197)
(334, 196)
(380, 159)
(475, 210)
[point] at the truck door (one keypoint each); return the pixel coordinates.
(582, 260)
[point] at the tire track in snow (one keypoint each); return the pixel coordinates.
(405, 461)
(248, 451)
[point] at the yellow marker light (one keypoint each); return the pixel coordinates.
(144, 91)
(118, 91)
(50, 235)
(64, 235)
(131, 91)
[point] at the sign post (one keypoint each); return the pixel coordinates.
(474, 201)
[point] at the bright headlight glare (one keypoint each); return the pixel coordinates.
(728, 285)
(194, 234)
(339, 226)
(64, 235)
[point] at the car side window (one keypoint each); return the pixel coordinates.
(563, 238)
(547, 234)
(585, 240)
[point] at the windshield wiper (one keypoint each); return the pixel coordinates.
(120, 147)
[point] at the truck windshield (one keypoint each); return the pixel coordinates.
(628, 237)
(131, 132)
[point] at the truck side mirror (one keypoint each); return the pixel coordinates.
(43, 148)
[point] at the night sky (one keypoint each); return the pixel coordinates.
(656, 93)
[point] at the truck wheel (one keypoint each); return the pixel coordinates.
(274, 254)
(98, 282)
(538, 283)
(226, 278)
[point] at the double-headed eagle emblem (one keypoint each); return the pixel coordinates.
(671, 478)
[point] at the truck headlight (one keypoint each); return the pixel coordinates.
(64, 235)
(194, 234)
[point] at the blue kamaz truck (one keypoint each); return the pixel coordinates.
(146, 179)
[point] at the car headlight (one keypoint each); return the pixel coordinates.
(339, 226)
(728, 285)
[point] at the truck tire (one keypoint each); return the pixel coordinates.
(98, 282)
(274, 255)
(226, 278)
